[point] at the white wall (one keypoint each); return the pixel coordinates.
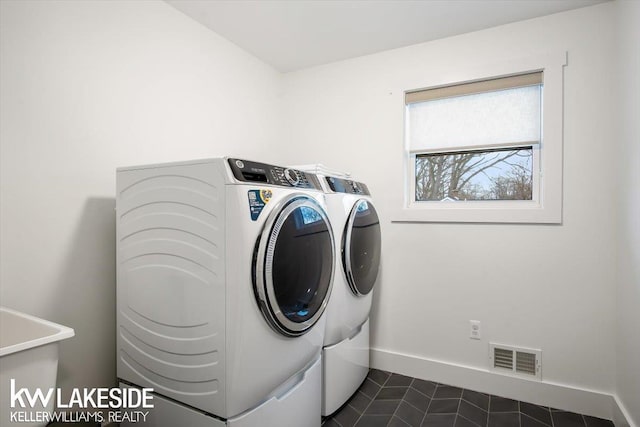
(628, 309)
(87, 87)
(540, 286)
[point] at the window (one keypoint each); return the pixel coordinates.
(491, 174)
(486, 149)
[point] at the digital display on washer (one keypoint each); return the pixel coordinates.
(346, 186)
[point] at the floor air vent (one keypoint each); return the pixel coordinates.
(518, 361)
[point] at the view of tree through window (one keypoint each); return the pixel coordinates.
(498, 174)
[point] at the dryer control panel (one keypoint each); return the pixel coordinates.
(341, 185)
(248, 171)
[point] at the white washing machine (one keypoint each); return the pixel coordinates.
(224, 270)
(356, 228)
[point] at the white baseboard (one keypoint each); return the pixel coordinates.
(621, 417)
(589, 402)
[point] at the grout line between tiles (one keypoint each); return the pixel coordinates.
(372, 399)
(473, 404)
(401, 400)
(415, 407)
(474, 423)
(534, 419)
(457, 411)
(424, 394)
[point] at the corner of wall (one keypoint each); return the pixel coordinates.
(627, 278)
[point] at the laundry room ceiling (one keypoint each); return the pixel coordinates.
(295, 34)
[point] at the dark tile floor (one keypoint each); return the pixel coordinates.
(387, 399)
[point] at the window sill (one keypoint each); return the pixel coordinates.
(492, 212)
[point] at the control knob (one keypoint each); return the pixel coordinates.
(291, 176)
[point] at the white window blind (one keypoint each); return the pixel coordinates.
(500, 112)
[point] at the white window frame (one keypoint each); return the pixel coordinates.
(546, 206)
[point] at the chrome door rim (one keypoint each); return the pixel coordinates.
(346, 249)
(264, 285)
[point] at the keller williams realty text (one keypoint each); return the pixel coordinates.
(77, 417)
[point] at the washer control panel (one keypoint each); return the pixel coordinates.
(341, 185)
(248, 171)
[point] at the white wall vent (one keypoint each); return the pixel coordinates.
(517, 361)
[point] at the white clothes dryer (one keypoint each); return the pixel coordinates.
(224, 271)
(356, 227)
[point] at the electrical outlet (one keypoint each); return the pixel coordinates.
(474, 330)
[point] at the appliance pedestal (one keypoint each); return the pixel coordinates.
(345, 367)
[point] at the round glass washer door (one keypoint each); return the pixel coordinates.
(293, 265)
(361, 244)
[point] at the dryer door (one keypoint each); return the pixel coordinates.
(293, 265)
(361, 247)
